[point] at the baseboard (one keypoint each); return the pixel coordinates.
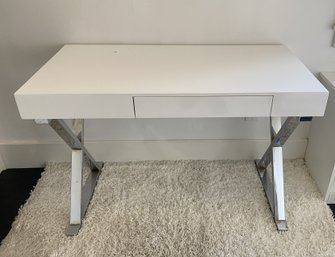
(35, 155)
(2, 164)
(331, 198)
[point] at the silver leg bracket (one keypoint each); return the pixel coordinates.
(273, 179)
(80, 194)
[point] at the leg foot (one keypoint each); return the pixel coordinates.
(72, 229)
(281, 225)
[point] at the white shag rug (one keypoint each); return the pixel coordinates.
(174, 208)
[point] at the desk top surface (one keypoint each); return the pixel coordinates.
(172, 70)
(123, 81)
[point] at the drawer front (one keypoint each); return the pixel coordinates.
(202, 106)
(67, 106)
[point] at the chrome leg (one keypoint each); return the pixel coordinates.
(76, 186)
(278, 139)
(80, 195)
(273, 181)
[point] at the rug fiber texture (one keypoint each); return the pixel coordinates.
(174, 208)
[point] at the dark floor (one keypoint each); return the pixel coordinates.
(15, 187)
(332, 207)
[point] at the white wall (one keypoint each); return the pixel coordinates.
(32, 31)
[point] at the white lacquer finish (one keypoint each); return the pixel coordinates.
(70, 106)
(99, 81)
(202, 106)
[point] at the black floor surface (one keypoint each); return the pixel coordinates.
(332, 207)
(15, 187)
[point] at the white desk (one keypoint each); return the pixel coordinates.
(156, 81)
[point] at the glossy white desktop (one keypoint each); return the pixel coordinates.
(168, 81)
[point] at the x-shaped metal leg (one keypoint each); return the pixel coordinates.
(80, 195)
(273, 182)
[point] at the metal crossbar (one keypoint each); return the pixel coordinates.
(279, 139)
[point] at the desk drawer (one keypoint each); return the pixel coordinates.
(202, 106)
